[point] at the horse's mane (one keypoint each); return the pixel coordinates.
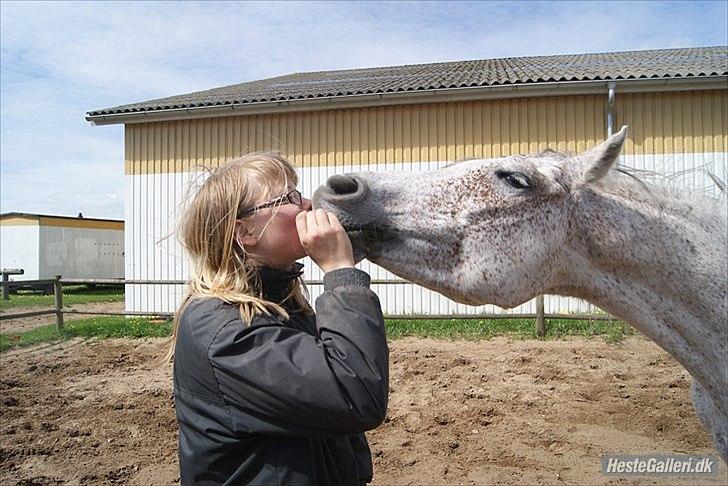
(664, 190)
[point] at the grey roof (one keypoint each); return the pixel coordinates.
(652, 64)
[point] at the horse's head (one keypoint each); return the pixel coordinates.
(478, 231)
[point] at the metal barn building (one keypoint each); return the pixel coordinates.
(46, 246)
(415, 118)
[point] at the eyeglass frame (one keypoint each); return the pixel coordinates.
(289, 196)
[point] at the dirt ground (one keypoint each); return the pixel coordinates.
(27, 323)
(499, 411)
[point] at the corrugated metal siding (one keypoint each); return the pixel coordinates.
(159, 157)
(160, 257)
(81, 223)
(19, 249)
(676, 138)
(418, 133)
(153, 204)
(81, 253)
(18, 220)
(692, 122)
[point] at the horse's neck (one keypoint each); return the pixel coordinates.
(662, 272)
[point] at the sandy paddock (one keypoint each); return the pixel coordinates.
(461, 412)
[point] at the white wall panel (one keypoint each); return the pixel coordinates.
(131, 222)
(153, 204)
(81, 253)
(690, 172)
(19, 249)
(155, 201)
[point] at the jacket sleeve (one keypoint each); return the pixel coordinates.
(277, 380)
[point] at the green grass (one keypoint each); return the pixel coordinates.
(451, 329)
(96, 327)
(72, 294)
(475, 329)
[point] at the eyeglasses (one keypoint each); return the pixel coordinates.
(293, 197)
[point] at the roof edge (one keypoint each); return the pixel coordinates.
(35, 215)
(557, 88)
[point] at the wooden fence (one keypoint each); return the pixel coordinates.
(540, 317)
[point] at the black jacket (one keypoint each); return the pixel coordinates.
(282, 402)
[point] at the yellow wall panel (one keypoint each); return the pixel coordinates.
(61, 222)
(19, 221)
(659, 123)
(80, 223)
(681, 122)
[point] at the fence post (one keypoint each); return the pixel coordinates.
(540, 318)
(58, 292)
(6, 278)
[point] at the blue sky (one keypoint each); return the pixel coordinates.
(60, 60)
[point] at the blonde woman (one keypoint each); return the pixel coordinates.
(267, 392)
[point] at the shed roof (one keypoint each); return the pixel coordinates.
(649, 64)
(35, 215)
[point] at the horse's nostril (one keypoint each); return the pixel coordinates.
(342, 184)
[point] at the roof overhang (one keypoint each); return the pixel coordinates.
(15, 214)
(449, 95)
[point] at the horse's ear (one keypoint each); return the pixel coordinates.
(597, 162)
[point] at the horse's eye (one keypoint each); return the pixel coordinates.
(515, 179)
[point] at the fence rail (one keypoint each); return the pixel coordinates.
(540, 316)
(121, 281)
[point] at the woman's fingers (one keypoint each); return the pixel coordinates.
(334, 221)
(322, 219)
(324, 239)
(312, 225)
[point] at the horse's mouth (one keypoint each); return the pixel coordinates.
(369, 231)
(366, 239)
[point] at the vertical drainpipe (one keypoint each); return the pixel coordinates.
(610, 107)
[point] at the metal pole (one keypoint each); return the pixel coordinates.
(58, 292)
(540, 318)
(610, 107)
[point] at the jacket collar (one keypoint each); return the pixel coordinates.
(276, 284)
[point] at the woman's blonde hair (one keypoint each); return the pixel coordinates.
(219, 266)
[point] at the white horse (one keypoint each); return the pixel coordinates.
(502, 231)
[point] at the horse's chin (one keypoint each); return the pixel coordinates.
(358, 244)
(418, 274)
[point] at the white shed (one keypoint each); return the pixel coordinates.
(45, 246)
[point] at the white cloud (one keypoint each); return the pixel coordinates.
(59, 60)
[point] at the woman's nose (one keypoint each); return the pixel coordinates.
(306, 204)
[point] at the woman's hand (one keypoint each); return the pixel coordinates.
(324, 239)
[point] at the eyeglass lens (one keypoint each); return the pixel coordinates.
(295, 198)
